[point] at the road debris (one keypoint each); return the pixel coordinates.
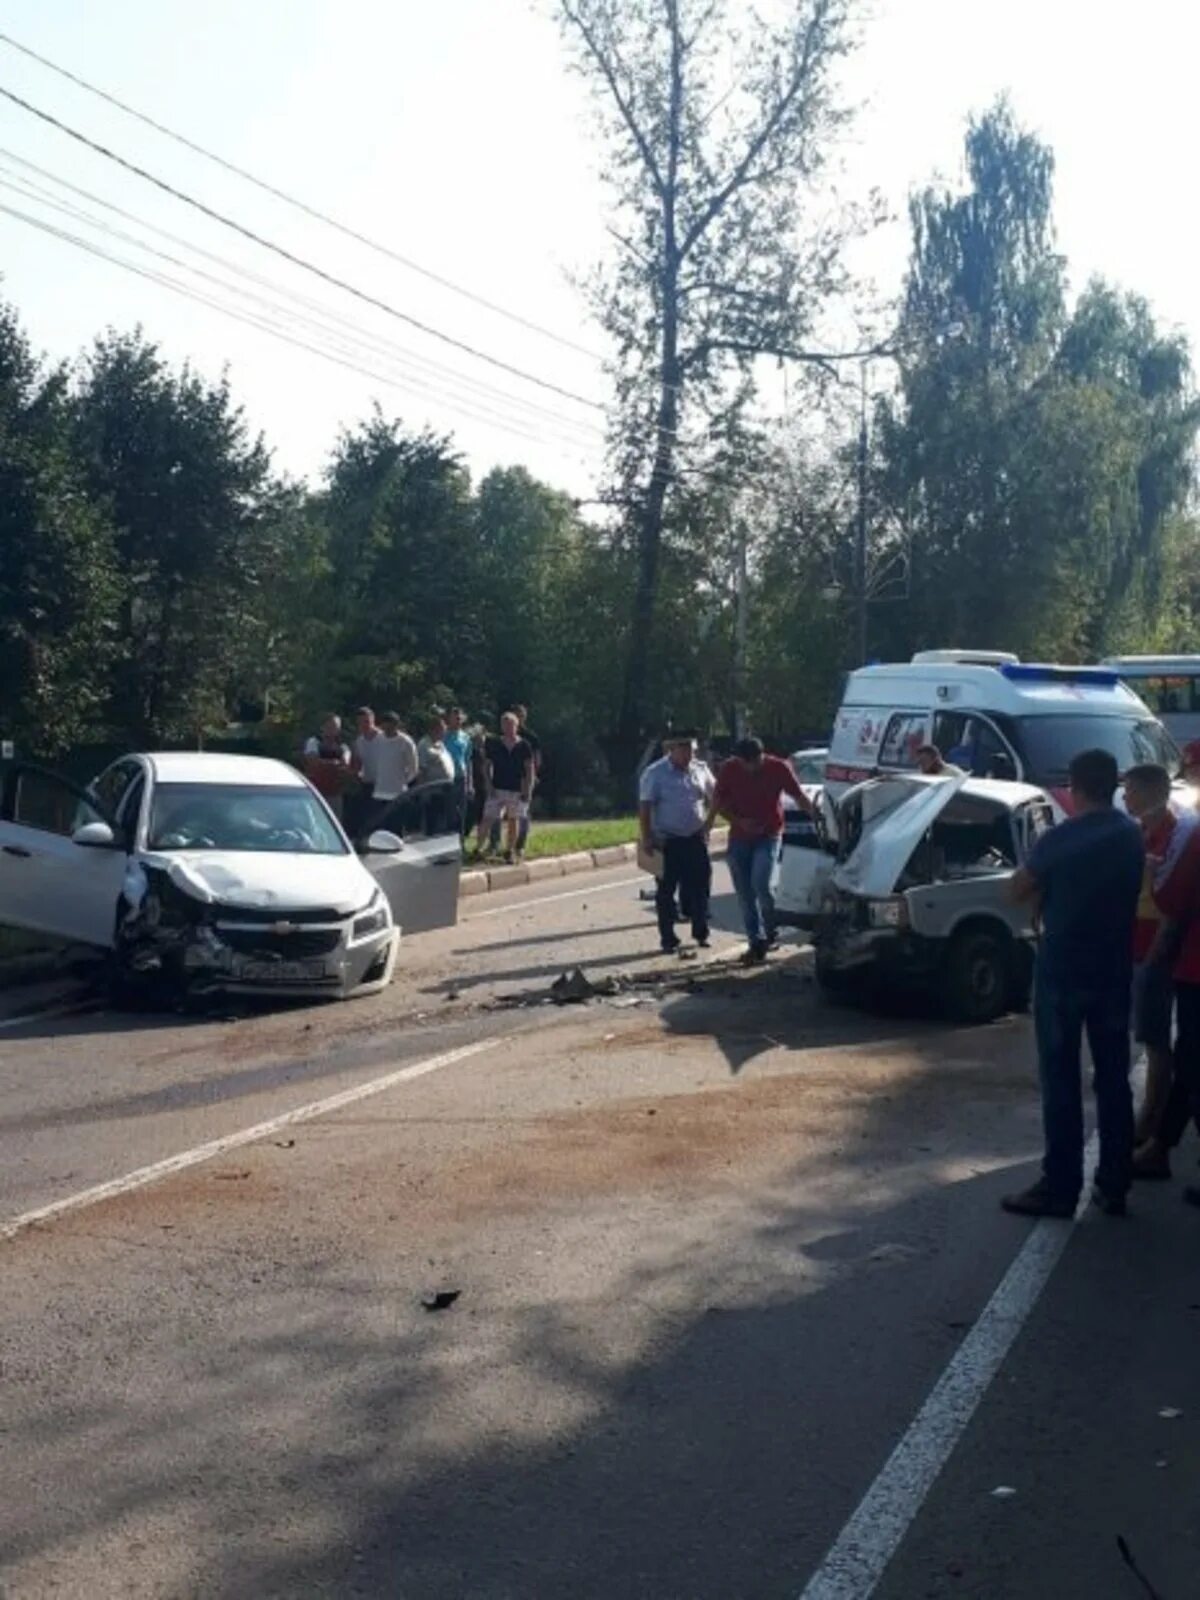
(285, 1144)
(572, 988)
(233, 1177)
(1170, 1413)
(440, 1299)
(1003, 1491)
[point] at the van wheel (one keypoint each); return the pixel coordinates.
(978, 975)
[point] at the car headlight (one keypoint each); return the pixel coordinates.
(373, 920)
(888, 913)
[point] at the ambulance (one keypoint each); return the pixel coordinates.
(992, 715)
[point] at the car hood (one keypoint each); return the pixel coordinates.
(267, 880)
(897, 812)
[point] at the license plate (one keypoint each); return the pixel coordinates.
(280, 971)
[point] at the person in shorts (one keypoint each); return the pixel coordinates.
(508, 765)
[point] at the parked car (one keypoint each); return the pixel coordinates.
(912, 888)
(213, 872)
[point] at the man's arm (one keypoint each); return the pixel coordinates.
(1023, 887)
(528, 773)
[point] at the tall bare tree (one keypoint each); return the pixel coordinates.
(719, 122)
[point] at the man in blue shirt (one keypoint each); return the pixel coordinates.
(458, 743)
(1085, 876)
(673, 799)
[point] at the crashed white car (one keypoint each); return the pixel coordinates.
(911, 886)
(202, 871)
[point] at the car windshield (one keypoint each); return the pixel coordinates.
(809, 766)
(1049, 744)
(220, 816)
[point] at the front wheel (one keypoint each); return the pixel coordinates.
(977, 975)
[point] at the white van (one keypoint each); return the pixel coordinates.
(992, 715)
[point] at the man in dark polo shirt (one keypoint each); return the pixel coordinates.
(1085, 877)
(508, 763)
(749, 792)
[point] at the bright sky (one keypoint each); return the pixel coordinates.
(454, 135)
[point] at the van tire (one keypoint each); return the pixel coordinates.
(978, 976)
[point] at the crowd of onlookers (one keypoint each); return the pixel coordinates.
(454, 776)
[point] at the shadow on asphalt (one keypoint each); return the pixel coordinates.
(716, 1461)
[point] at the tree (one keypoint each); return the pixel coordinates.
(57, 564)
(191, 500)
(1035, 459)
(715, 138)
(402, 584)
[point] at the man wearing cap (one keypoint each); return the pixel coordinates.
(673, 806)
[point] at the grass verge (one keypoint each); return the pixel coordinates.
(564, 838)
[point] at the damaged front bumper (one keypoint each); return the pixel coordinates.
(167, 937)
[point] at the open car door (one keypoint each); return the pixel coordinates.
(420, 879)
(806, 863)
(62, 862)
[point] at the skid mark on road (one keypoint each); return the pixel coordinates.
(141, 1176)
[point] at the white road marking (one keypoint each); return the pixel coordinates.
(71, 1009)
(142, 1176)
(546, 899)
(860, 1554)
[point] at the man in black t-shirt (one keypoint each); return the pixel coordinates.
(525, 732)
(509, 768)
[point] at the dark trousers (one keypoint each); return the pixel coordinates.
(1061, 1016)
(686, 867)
(1184, 1100)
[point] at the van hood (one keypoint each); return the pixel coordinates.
(896, 813)
(267, 880)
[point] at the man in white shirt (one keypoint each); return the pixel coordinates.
(362, 764)
(673, 797)
(395, 762)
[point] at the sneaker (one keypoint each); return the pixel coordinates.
(1151, 1162)
(670, 946)
(508, 858)
(755, 955)
(1038, 1201)
(704, 942)
(1112, 1205)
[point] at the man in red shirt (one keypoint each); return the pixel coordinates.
(749, 791)
(1148, 802)
(1177, 896)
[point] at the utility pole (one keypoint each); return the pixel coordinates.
(739, 632)
(860, 541)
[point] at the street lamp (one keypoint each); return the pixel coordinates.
(948, 330)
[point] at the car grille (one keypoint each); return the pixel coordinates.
(263, 916)
(302, 945)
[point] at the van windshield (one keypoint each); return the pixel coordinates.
(1047, 745)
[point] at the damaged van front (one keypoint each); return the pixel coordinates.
(918, 893)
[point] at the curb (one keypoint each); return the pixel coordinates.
(488, 880)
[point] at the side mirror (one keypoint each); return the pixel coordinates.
(94, 836)
(383, 843)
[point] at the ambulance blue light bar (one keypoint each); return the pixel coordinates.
(1097, 677)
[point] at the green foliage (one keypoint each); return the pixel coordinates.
(58, 590)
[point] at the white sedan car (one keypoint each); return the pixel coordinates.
(203, 872)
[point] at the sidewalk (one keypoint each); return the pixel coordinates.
(485, 880)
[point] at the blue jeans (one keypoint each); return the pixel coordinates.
(752, 865)
(1061, 1014)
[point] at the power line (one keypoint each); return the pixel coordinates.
(299, 205)
(295, 260)
(262, 323)
(356, 333)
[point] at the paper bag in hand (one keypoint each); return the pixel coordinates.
(650, 861)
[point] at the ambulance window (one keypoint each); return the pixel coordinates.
(906, 732)
(972, 744)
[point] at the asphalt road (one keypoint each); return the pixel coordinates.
(719, 1250)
